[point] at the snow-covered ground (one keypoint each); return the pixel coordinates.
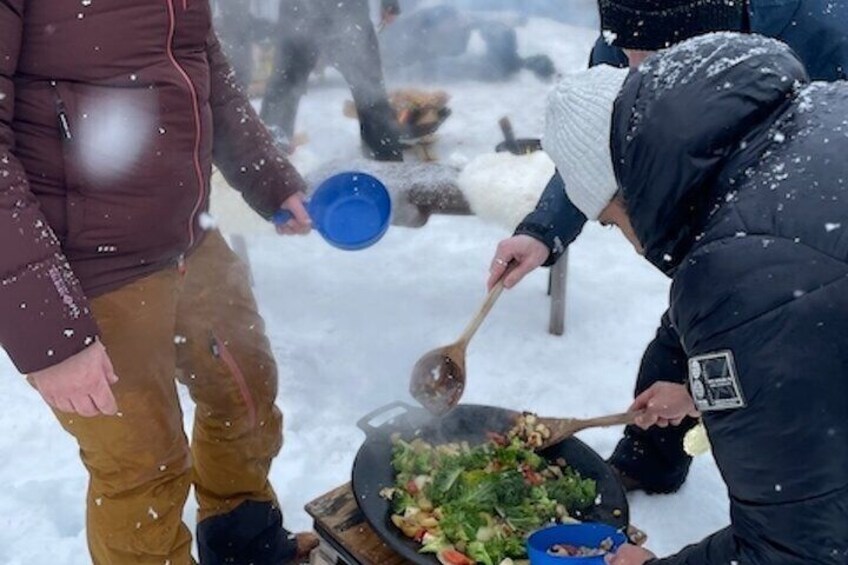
(347, 328)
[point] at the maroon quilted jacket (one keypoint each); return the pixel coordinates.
(111, 115)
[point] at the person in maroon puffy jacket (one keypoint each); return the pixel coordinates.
(111, 117)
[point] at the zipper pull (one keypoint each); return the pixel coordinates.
(62, 115)
(182, 269)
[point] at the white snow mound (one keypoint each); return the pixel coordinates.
(502, 188)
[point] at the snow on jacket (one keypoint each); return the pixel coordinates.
(817, 30)
(733, 172)
(111, 115)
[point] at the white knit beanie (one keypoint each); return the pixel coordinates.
(577, 135)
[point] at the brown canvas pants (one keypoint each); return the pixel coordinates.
(200, 325)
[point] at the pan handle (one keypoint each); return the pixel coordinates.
(364, 423)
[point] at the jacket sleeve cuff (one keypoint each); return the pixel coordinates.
(556, 221)
(46, 317)
(717, 548)
(540, 234)
(270, 190)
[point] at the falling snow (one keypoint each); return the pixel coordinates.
(314, 321)
(207, 221)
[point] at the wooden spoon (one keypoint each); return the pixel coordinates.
(438, 378)
(563, 428)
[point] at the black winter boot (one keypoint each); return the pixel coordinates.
(653, 460)
(252, 534)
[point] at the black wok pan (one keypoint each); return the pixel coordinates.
(372, 468)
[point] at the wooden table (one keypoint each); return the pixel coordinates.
(346, 536)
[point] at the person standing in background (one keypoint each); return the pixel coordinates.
(235, 31)
(342, 35)
(444, 54)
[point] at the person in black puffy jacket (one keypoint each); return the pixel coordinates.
(816, 30)
(726, 168)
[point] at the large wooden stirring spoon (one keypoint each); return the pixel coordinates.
(438, 378)
(563, 428)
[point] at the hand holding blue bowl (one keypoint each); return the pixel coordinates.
(350, 210)
(299, 221)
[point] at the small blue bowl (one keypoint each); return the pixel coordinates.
(585, 535)
(350, 210)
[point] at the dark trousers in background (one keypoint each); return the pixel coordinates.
(234, 26)
(340, 34)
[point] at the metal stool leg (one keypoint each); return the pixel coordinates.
(556, 289)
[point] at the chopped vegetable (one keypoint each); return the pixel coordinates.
(478, 504)
(572, 491)
(453, 557)
(696, 441)
(567, 550)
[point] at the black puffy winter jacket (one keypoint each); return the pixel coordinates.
(817, 30)
(735, 176)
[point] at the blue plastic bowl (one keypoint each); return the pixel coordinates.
(586, 535)
(350, 210)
